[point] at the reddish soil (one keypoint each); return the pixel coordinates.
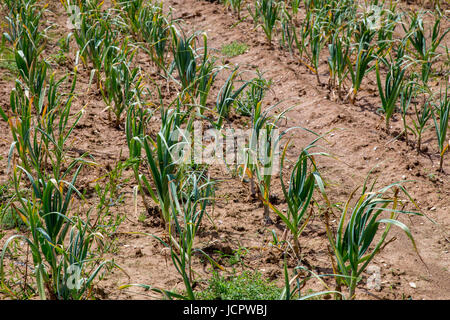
(358, 141)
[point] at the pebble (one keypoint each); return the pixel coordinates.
(413, 285)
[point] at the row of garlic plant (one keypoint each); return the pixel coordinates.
(181, 191)
(41, 122)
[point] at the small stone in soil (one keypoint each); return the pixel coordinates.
(139, 253)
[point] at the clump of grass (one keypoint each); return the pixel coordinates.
(60, 57)
(142, 217)
(64, 43)
(234, 49)
(247, 286)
